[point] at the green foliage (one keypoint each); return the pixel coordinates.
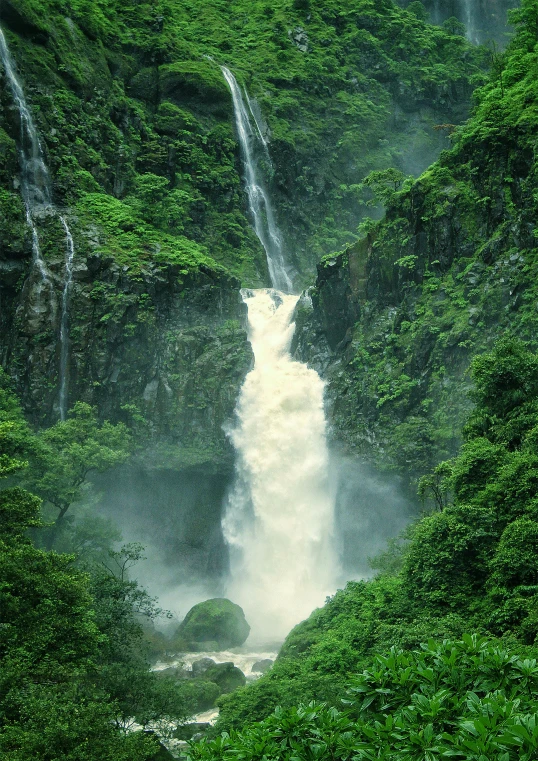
(384, 185)
(74, 674)
(450, 269)
(67, 452)
(468, 699)
(131, 105)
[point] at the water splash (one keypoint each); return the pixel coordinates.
(279, 517)
(64, 320)
(259, 202)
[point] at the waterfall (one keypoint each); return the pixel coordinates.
(279, 517)
(468, 15)
(35, 183)
(35, 187)
(64, 320)
(259, 202)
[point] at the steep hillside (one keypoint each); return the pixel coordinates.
(397, 317)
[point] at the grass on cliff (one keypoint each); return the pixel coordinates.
(451, 267)
(129, 100)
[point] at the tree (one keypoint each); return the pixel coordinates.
(69, 451)
(384, 185)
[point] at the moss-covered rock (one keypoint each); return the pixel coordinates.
(227, 676)
(218, 620)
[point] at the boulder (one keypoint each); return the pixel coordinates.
(227, 676)
(217, 620)
(260, 667)
(201, 666)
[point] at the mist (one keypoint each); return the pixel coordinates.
(177, 517)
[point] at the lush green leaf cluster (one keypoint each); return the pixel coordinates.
(468, 699)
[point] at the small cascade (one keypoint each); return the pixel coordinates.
(35, 182)
(36, 194)
(64, 319)
(259, 202)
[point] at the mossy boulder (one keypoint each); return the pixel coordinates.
(198, 84)
(218, 621)
(226, 676)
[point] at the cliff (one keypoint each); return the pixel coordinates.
(396, 318)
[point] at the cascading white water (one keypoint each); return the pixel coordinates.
(35, 187)
(64, 320)
(279, 517)
(259, 202)
(278, 521)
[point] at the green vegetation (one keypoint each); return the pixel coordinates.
(137, 118)
(436, 656)
(451, 268)
(75, 674)
(466, 699)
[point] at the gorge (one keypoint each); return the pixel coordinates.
(268, 310)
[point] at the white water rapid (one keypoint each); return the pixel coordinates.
(259, 202)
(35, 187)
(279, 517)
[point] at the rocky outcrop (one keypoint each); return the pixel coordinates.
(448, 270)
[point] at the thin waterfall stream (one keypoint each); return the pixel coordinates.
(279, 516)
(64, 319)
(36, 194)
(468, 12)
(35, 184)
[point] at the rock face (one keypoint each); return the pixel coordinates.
(447, 272)
(218, 621)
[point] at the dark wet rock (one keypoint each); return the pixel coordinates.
(260, 667)
(201, 666)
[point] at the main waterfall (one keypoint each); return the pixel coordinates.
(279, 516)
